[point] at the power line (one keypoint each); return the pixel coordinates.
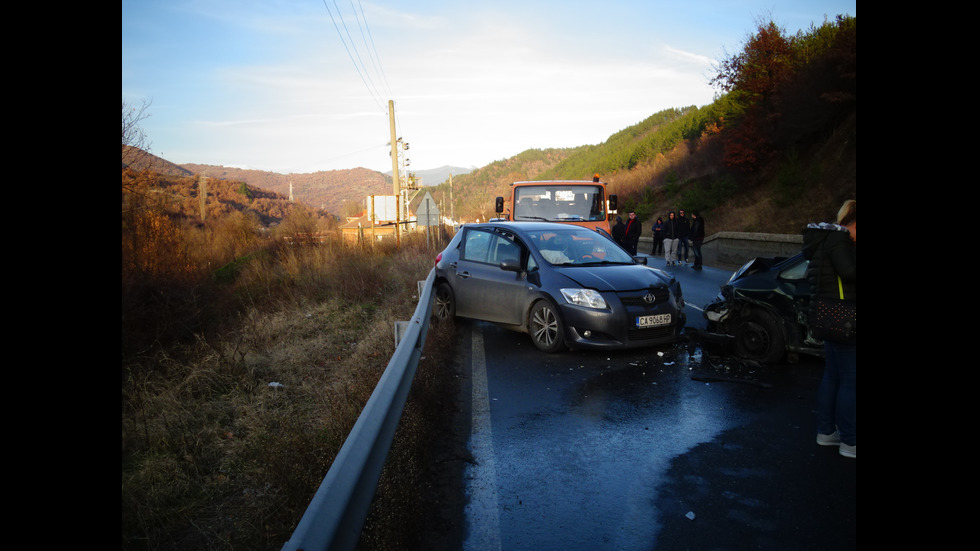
(356, 59)
(373, 50)
(358, 63)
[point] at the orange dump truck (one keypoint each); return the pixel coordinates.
(579, 202)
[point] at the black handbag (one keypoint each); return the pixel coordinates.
(834, 319)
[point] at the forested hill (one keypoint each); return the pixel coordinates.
(330, 190)
(775, 151)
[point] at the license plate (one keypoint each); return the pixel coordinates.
(653, 321)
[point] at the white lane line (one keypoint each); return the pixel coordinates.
(482, 512)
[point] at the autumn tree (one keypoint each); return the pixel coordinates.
(135, 143)
(751, 79)
(754, 74)
(783, 88)
(299, 227)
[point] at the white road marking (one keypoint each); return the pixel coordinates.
(482, 512)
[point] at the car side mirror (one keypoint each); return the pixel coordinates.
(511, 265)
(613, 200)
(640, 260)
(499, 204)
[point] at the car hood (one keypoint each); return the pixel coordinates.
(626, 277)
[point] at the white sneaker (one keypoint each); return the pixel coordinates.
(848, 451)
(829, 439)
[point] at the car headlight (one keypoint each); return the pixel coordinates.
(589, 298)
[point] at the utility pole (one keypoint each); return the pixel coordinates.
(395, 178)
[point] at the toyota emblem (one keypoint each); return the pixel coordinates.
(649, 298)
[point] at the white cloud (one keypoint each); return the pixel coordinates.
(272, 85)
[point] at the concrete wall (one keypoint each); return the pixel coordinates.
(729, 250)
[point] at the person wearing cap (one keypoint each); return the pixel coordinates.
(619, 231)
(632, 234)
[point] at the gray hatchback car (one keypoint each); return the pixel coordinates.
(564, 285)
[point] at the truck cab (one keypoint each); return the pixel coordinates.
(579, 202)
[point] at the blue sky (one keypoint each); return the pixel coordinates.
(303, 85)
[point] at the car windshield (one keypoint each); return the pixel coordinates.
(578, 246)
(559, 202)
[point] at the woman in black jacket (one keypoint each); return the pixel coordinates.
(832, 251)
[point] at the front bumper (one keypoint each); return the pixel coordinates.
(615, 328)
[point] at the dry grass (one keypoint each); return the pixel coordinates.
(226, 435)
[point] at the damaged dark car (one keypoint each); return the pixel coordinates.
(566, 286)
(761, 313)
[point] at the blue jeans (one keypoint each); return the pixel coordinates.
(698, 258)
(837, 395)
(682, 246)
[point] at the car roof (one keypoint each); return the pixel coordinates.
(524, 227)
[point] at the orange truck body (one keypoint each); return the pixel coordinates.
(579, 202)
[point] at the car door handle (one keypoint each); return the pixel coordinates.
(464, 275)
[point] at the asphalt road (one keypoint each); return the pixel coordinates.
(665, 448)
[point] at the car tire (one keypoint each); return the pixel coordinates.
(760, 338)
(546, 327)
(444, 303)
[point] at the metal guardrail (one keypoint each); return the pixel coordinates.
(335, 516)
(732, 249)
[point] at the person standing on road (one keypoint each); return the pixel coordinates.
(632, 234)
(658, 237)
(697, 237)
(670, 239)
(619, 231)
(832, 251)
(684, 230)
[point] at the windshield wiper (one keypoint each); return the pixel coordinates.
(601, 262)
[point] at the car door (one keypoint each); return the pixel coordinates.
(483, 290)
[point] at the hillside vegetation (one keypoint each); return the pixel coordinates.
(252, 334)
(775, 151)
(328, 190)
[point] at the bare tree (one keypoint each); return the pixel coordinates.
(135, 144)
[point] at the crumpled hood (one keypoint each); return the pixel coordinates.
(626, 277)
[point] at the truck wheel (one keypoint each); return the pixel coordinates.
(546, 327)
(760, 338)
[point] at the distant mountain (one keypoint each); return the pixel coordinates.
(326, 190)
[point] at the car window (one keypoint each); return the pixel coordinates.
(476, 246)
(504, 249)
(490, 248)
(532, 264)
